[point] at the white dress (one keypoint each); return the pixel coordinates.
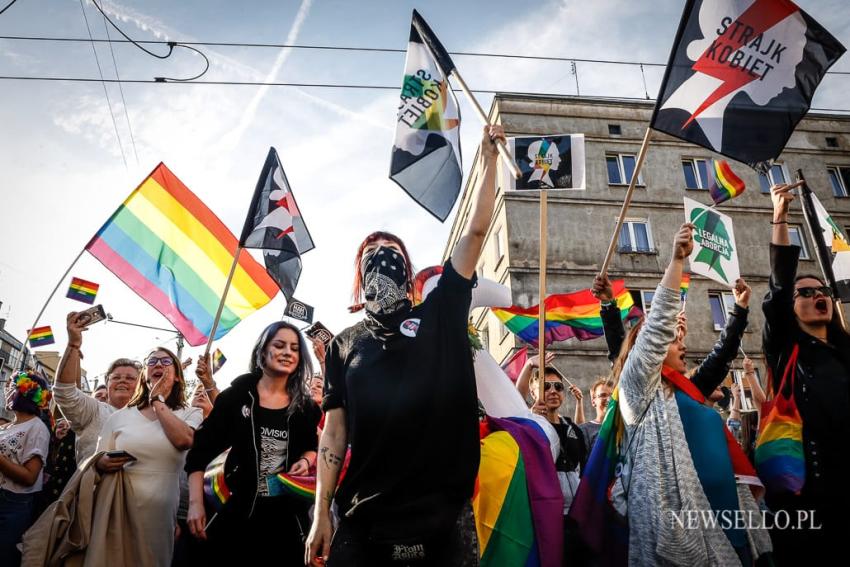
(155, 475)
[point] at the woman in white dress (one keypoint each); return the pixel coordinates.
(155, 429)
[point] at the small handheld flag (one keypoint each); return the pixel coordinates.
(725, 184)
(41, 336)
(683, 288)
(218, 360)
(82, 290)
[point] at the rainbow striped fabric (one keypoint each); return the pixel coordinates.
(82, 290)
(600, 529)
(725, 184)
(685, 285)
(216, 492)
(518, 503)
(218, 360)
(41, 336)
(301, 486)
(568, 315)
(175, 253)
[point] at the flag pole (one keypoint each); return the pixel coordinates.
(43, 307)
(221, 303)
(626, 202)
(541, 305)
(702, 212)
(824, 253)
(500, 145)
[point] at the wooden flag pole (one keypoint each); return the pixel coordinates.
(43, 307)
(541, 314)
(626, 202)
(502, 147)
(221, 303)
(701, 213)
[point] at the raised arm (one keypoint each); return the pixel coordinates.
(609, 312)
(332, 445)
(642, 371)
(79, 408)
(753, 383)
(465, 256)
(716, 365)
(524, 379)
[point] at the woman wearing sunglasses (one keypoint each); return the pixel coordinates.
(154, 431)
(801, 315)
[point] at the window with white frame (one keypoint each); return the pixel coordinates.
(643, 298)
(839, 179)
(795, 231)
(721, 304)
(696, 173)
(776, 174)
(635, 236)
(621, 167)
(497, 244)
(485, 337)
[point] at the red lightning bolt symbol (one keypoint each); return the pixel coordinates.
(759, 17)
(293, 211)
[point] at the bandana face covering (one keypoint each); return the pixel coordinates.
(384, 280)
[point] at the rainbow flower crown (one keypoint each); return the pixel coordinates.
(32, 390)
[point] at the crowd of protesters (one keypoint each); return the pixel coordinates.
(390, 430)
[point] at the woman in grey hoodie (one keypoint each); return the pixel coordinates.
(682, 481)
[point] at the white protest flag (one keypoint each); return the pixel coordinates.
(837, 241)
(715, 253)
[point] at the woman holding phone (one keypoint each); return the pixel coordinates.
(149, 439)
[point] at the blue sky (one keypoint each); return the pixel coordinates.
(63, 173)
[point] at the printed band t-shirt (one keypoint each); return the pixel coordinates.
(411, 409)
(273, 435)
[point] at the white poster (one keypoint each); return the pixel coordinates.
(547, 162)
(715, 253)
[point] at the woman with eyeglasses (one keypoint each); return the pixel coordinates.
(800, 315)
(154, 432)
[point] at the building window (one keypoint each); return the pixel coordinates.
(503, 332)
(635, 236)
(621, 167)
(839, 179)
(747, 403)
(795, 231)
(485, 337)
(774, 176)
(696, 173)
(721, 304)
(831, 142)
(643, 298)
(614, 130)
(497, 244)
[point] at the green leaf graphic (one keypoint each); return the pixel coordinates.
(711, 234)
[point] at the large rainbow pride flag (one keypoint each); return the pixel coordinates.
(568, 315)
(176, 254)
(518, 503)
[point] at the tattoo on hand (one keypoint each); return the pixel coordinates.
(329, 496)
(331, 459)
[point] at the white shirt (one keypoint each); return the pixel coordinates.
(86, 414)
(20, 442)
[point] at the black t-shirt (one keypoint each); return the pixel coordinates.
(273, 433)
(412, 413)
(573, 452)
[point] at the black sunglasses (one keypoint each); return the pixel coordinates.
(559, 387)
(807, 292)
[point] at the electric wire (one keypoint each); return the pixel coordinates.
(7, 6)
(121, 91)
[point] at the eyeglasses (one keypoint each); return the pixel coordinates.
(807, 292)
(165, 361)
(559, 387)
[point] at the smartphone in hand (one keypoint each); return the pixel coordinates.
(120, 455)
(91, 316)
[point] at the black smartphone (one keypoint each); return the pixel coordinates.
(91, 316)
(120, 455)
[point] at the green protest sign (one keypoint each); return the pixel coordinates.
(715, 253)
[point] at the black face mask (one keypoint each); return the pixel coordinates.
(384, 280)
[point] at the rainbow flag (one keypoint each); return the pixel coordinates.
(218, 360)
(568, 315)
(216, 492)
(518, 503)
(685, 285)
(725, 184)
(41, 336)
(176, 254)
(82, 290)
(301, 486)
(599, 527)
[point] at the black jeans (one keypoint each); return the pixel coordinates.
(15, 518)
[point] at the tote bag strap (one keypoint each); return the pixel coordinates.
(790, 368)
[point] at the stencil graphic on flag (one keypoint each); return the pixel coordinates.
(741, 75)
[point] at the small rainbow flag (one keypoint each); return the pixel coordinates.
(82, 290)
(725, 185)
(41, 336)
(216, 492)
(683, 287)
(301, 486)
(568, 315)
(171, 249)
(218, 360)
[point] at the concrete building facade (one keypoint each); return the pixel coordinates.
(580, 223)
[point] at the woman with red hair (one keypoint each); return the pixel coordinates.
(400, 390)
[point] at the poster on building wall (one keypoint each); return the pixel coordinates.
(547, 162)
(715, 253)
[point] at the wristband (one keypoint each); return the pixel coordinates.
(608, 303)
